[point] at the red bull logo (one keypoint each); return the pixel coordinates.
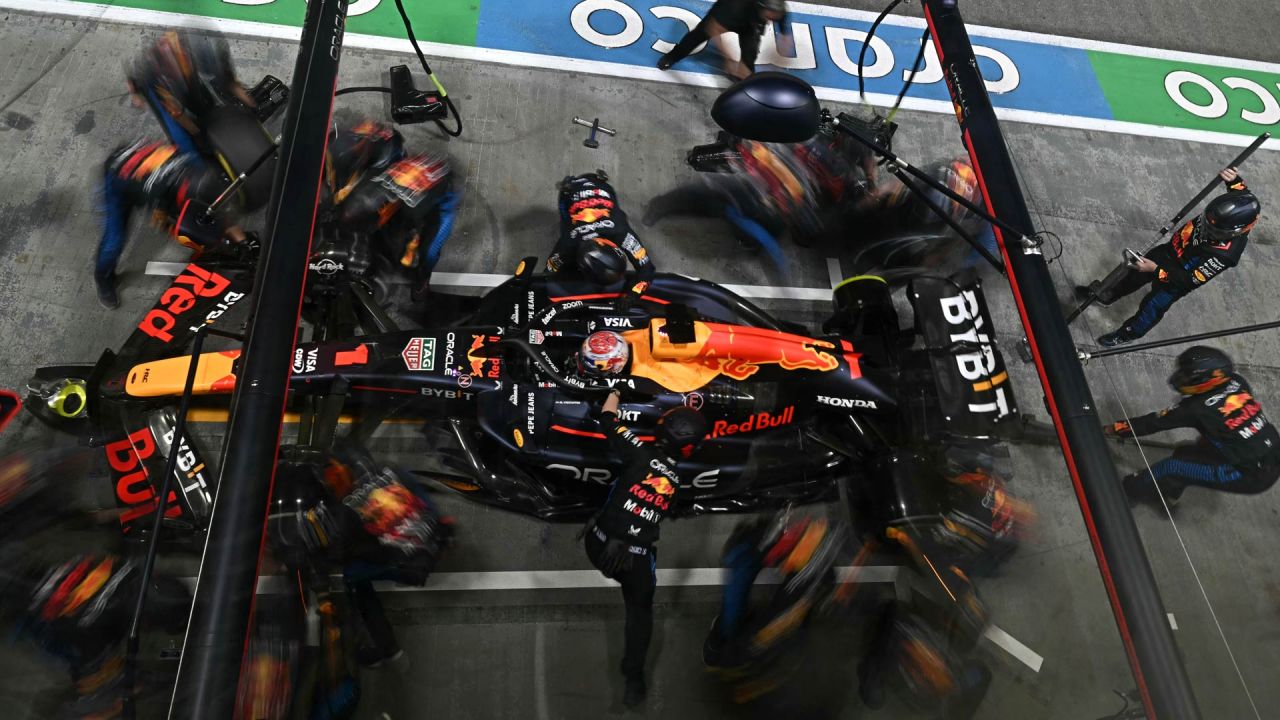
(740, 354)
(660, 485)
(1235, 402)
(589, 215)
(757, 422)
(478, 363)
(417, 174)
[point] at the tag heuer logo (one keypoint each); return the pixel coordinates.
(420, 354)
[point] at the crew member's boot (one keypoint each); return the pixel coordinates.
(635, 690)
(107, 293)
(1119, 337)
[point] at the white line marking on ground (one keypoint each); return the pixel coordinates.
(488, 280)
(589, 579)
(572, 579)
(109, 13)
(540, 672)
(1173, 624)
(833, 271)
(1010, 644)
(168, 269)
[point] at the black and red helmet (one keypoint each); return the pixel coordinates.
(680, 431)
(1230, 215)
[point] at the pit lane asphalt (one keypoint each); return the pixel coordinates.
(553, 653)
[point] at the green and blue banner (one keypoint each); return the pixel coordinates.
(1031, 77)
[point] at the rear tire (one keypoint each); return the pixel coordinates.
(238, 140)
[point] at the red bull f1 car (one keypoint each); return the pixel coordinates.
(509, 420)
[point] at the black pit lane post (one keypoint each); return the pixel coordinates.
(209, 672)
(1135, 598)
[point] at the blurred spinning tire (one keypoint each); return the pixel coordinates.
(237, 140)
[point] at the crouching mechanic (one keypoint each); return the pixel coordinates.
(620, 538)
(595, 238)
(376, 188)
(170, 183)
(1203, 248)
(1239, 448)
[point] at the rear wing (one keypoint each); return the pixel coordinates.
(971, 382)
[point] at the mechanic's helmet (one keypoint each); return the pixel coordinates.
(67, 398)
(680, 431)
(1230, 215)
(602, 262)
(604, 353)
(358, 152)
(1200, 368)
(958, 177)
(300, 525)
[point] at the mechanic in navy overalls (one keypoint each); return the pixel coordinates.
(1239, 448)
(169, 182)
(621, 538)
(181, 76)
(596, 240)
(376, 188)
(1199, 251)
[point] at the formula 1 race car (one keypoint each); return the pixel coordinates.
(510, 421)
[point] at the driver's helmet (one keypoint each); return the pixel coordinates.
(67, 398)
(358, 152)
(680, 431)
(604, 353)
(602, 262)
(1230, 215)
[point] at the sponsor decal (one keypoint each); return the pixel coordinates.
(188, 466)
(1234, 402)
(740, 352)
(536, 337)
(978, 367)
(194, 282)
(647, 514)
(654, 498)
(305, 360)
(411, 179)
(705, 479)
(589, 215)
(759, 421)
(660, 484)
(619, 322)
(585, 474)
(326, 267)
(133, 487)
(1253, 427)
(529, 413)
(420, 354)
(446, 394)
(847, 402)
(478, 364)
(450, 341)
